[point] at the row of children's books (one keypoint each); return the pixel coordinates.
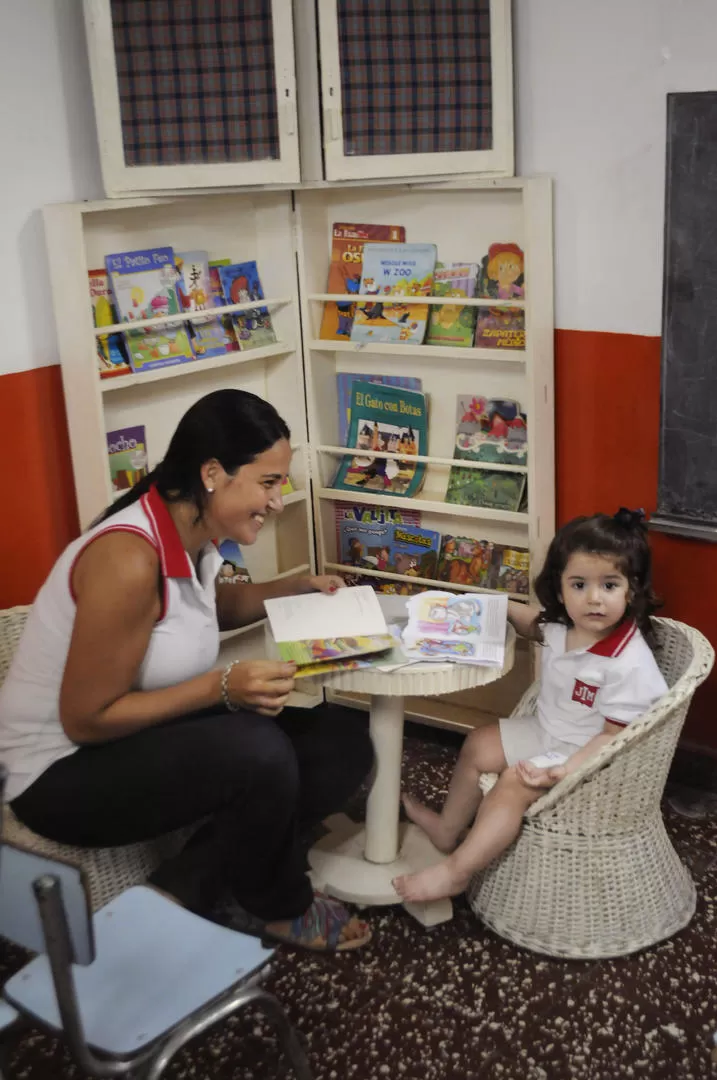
(393, 541)
(159, 282)
(374, 261)
(389, 414)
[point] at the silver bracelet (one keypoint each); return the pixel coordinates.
(225, 693)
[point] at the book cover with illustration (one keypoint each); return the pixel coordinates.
(111, 357)
(233, 570)
(241, 284)
(488, 488)
(453, 324)
(490, 429)
(218, 300)
(465, 561)
(149, 347)
(143, 283)
(394, 270)
(344, 382)
(502, 277)
(414, 551)
(510, 570)
(347, 242)
(391, 420)
(127, 453)
(194, 289)
(365, 544)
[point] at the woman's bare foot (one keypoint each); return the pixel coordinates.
(442, 837)
(434, 883)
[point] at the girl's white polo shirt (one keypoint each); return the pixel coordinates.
(616, 679)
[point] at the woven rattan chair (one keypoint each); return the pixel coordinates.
(592, 872)
(109, 871)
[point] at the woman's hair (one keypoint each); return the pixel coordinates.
(232, 426)
(622, 538)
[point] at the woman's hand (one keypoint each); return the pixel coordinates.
(326, 583)
(534, 777)
(262, 686)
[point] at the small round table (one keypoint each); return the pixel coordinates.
(358, 863)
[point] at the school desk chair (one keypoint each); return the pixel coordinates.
(593, 872)
(129, 986)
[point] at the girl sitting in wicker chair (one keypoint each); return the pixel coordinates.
(598, 674)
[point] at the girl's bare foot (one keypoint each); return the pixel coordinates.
(434, 883)
(442, 837)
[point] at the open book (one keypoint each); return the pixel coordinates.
(322, 633)
(468, 628)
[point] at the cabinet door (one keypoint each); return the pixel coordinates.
(416, 87)
(193, 93)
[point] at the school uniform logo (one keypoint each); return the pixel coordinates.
(584, 693)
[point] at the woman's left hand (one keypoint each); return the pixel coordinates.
(325, 583)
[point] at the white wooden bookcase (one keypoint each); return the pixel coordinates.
(289, 235)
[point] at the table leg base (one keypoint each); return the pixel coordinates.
(339, 868)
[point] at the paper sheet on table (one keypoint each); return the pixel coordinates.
(347, 612)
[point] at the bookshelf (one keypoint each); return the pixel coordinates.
(289, 235)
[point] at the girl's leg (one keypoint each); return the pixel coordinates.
(482, 751)
(496, 826)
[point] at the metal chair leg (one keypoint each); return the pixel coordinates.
(220, 1010)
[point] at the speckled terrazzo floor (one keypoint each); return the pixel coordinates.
(457, 1003)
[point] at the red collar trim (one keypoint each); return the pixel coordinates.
(617, 639)
(174, 559)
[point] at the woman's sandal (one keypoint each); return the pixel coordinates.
(320, 928)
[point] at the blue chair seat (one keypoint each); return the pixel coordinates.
(156, 964)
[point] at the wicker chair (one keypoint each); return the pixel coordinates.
(109, 870)
(592, 872)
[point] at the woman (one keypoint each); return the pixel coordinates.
(116, 727)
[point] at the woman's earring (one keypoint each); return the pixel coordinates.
(210, 491)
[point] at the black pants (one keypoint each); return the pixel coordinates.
(262, 782)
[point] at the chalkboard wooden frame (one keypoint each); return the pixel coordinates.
(687, 486)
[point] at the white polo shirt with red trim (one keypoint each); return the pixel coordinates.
(184, 641)
(617, 679)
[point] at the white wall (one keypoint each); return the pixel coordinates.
(48, 153)
(591, 80)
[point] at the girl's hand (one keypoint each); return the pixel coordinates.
(534, 777)
(263, 686)
(326, 583)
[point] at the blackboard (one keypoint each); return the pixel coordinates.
(687, 492)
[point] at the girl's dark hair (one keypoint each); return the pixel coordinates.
(232, 426)
(623, 538)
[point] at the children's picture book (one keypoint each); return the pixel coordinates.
(510, 570)
(318, 628)
(365, 544)
(241, 284)
(486, 487)
(219, 301)
(143, 283)
(391, 420)
(465, 561)
(500, 328)
(502, 272)
(149, 347)
(347, 243)
(464, 629)
(453, 324)
(194, 288)
(111, 357)
(344, 382)
(394, 270)
(490, 429)
(233, 570)
(414, 551)
(127, 452)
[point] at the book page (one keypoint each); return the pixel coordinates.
(466, 628)
(347, 612)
